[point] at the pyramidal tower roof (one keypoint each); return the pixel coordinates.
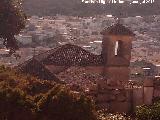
(117, 29)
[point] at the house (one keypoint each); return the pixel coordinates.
(142, 68)
(24, 39)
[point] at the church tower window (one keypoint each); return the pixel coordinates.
(118, 48)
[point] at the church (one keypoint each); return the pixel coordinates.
(112, 64)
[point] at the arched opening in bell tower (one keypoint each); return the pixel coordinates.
(118, 48)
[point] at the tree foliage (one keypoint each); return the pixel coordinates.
(104, 115)
(12, 20)
(27, 98)
(14, 105)
(146, 112)
(62, 104)
(23, 97)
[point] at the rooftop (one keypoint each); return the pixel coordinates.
(37, 69)
(70, 55)
(117, 29)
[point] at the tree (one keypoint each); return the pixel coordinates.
(12, 20)
(61, 104)
(15, 105)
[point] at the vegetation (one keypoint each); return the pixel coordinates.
(151, 112)
(23, 97)
(15, 105)
(28, 98)
(104, 115)
(12, 20)
(59, 104)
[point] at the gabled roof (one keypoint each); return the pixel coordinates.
(65, 55)
(117, 29)
(40, 57)
(70, 55)
(35, 68)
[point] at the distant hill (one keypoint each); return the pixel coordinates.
(76, 7)
(49, 7)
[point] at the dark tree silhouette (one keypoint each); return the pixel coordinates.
(12, 20)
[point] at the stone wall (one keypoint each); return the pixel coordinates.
(117, 76)
(113, 99)
(120, 100)
(138, 97)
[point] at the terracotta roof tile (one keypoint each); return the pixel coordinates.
(37, 69)
(117, 29)
(70, 55)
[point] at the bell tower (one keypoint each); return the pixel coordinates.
(116, 53)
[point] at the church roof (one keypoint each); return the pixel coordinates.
(117, 29)
(70, 55)
(37, 69)
(65, 55)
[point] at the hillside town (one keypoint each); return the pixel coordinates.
(79, 60)
(110, 78)
(44, 33)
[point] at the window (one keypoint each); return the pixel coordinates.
(118, 48)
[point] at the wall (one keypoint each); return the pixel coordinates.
(129, 98)
(138, 97)
(94, 69)
(55, 69)
(117, 76)
(109, 50)
(114, 99)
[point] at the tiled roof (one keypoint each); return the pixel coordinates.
(70, 55)
(66, 55)
(117, 29)
(40, 57)
(35, 68)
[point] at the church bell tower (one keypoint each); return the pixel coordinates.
(116, 53)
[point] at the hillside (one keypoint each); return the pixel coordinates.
(49, 7)
(75, 7)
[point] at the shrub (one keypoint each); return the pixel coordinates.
(151, 112)
(27, 98)
(104, 115)
(15, 105)
(62, 104)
